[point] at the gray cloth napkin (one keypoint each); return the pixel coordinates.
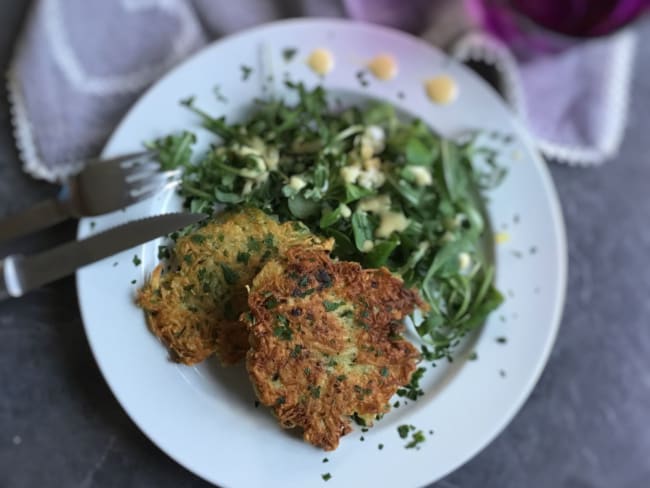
(80, 64)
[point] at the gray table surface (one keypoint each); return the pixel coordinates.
(586, 425)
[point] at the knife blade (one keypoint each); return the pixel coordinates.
(20, 274)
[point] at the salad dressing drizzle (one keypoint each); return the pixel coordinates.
(383, 67)
(441, 89)
(321, 61)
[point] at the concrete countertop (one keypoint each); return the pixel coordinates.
(585, 425)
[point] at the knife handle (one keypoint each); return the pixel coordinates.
(9, 280)
(38, 217)
(4, 292)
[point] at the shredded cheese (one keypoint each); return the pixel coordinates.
(422, 175)
(378, 204)
(391, 222)
(350, 174)
(464, 261)
(297, 183)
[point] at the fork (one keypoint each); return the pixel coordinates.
(102, 186)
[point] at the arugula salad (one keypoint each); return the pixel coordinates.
(391, 192)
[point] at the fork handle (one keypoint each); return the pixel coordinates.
(4, 288)
(40, 216)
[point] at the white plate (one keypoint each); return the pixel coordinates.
(204, 417)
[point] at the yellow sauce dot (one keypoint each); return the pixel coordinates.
(321, 61)
(441, 89)
(383, 67)
(501, 237)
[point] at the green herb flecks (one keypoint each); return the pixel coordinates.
(331, 306)
(403, 430)
(296, 351)
(412, 391)
(314, 391)
(229, 274)
(253, 244)
(416, 439)
(245, 72)
(163, 252)
(362, 78)
(136, 260)
(216, 89)
(283, 331)
(271, 302)
(269, 240)
(243, 257)
(427, 355)
(289, 53)
(358, 419)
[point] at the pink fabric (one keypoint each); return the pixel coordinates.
(573, 91)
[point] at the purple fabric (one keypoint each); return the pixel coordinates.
(582, 17)
(81, 63)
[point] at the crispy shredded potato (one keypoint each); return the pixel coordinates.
(195, 307)
(325, 342)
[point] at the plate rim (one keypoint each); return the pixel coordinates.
(555, 210)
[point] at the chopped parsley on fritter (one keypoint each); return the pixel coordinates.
(326, 344)
(194, 309)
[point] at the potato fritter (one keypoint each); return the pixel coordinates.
(325, 342)
(195, 308)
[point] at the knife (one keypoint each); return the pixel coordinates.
(20, 274)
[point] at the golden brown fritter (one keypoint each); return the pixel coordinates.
(325, 342)
(195, 309)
